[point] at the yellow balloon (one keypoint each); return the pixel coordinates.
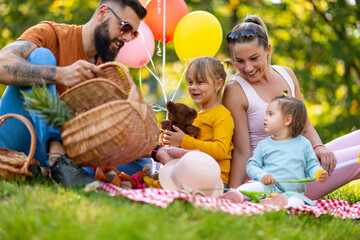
(197, 34)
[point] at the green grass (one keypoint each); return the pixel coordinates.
(349, 192)
(39, 209)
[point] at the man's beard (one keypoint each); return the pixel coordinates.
(103, 42)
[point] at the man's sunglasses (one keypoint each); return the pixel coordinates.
(126, 27)
(247, 33)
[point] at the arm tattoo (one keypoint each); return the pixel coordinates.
(23, 48)
(304, 132)
(25, 72)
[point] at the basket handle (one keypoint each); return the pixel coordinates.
(31, 129)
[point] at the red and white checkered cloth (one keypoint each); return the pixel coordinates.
(162, 198)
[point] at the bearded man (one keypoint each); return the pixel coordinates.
(62, 56)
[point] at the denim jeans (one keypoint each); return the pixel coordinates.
(14, 135)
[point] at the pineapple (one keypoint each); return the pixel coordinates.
(53, 110)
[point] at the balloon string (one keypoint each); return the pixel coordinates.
(157, 77)
(164, 50)
(158, 108)
(158, 52)
(140, 82)
(173, 97)
(153, 65)
(147, 51)
(162, 86)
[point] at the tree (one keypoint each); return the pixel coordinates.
(319, 40)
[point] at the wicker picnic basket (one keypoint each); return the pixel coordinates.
(112, 125)
(14, 165)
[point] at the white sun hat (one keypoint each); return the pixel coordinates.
(194, 172)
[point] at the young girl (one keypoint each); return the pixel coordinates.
(284, 156)
(205, 78)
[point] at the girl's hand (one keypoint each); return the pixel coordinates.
(268, 179)
(173, 139)
(327, 158)
(322, 177)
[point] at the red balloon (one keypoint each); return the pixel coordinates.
(175, 10)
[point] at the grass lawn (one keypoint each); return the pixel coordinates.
(39, 209)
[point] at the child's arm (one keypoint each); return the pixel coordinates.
(313, 168)
(218, 146)
(268, 179)
(173, 139)
(255, 164)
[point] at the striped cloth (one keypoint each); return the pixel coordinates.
(162, 198)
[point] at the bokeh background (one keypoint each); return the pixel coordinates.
(319, 40)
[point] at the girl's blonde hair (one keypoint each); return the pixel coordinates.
(207, 65)
(296, 108)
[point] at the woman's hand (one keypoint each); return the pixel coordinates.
(173, 139)
(327, 158)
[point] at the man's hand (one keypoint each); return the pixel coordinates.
(76, 73)
(268, 179)
(166, 154)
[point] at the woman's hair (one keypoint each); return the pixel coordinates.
(207, 65)
(251, 24)
(296, 108)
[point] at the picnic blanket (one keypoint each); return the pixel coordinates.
(162, 198)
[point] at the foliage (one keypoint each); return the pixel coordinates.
(350, 192)
(39, 209)
(318, 39)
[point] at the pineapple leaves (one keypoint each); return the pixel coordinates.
(51, 108)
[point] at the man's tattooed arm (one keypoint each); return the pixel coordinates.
(16, 70)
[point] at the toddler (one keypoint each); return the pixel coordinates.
(284, 156)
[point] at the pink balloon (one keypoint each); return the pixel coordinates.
(137, 53)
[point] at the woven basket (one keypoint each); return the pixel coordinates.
(14, 165)
(92, 93)
(113, 124)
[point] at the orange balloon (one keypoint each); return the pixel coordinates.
(175, 10)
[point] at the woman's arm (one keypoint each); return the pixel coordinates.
(235, 101)
(325, 156)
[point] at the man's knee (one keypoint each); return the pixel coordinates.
(42, 56)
